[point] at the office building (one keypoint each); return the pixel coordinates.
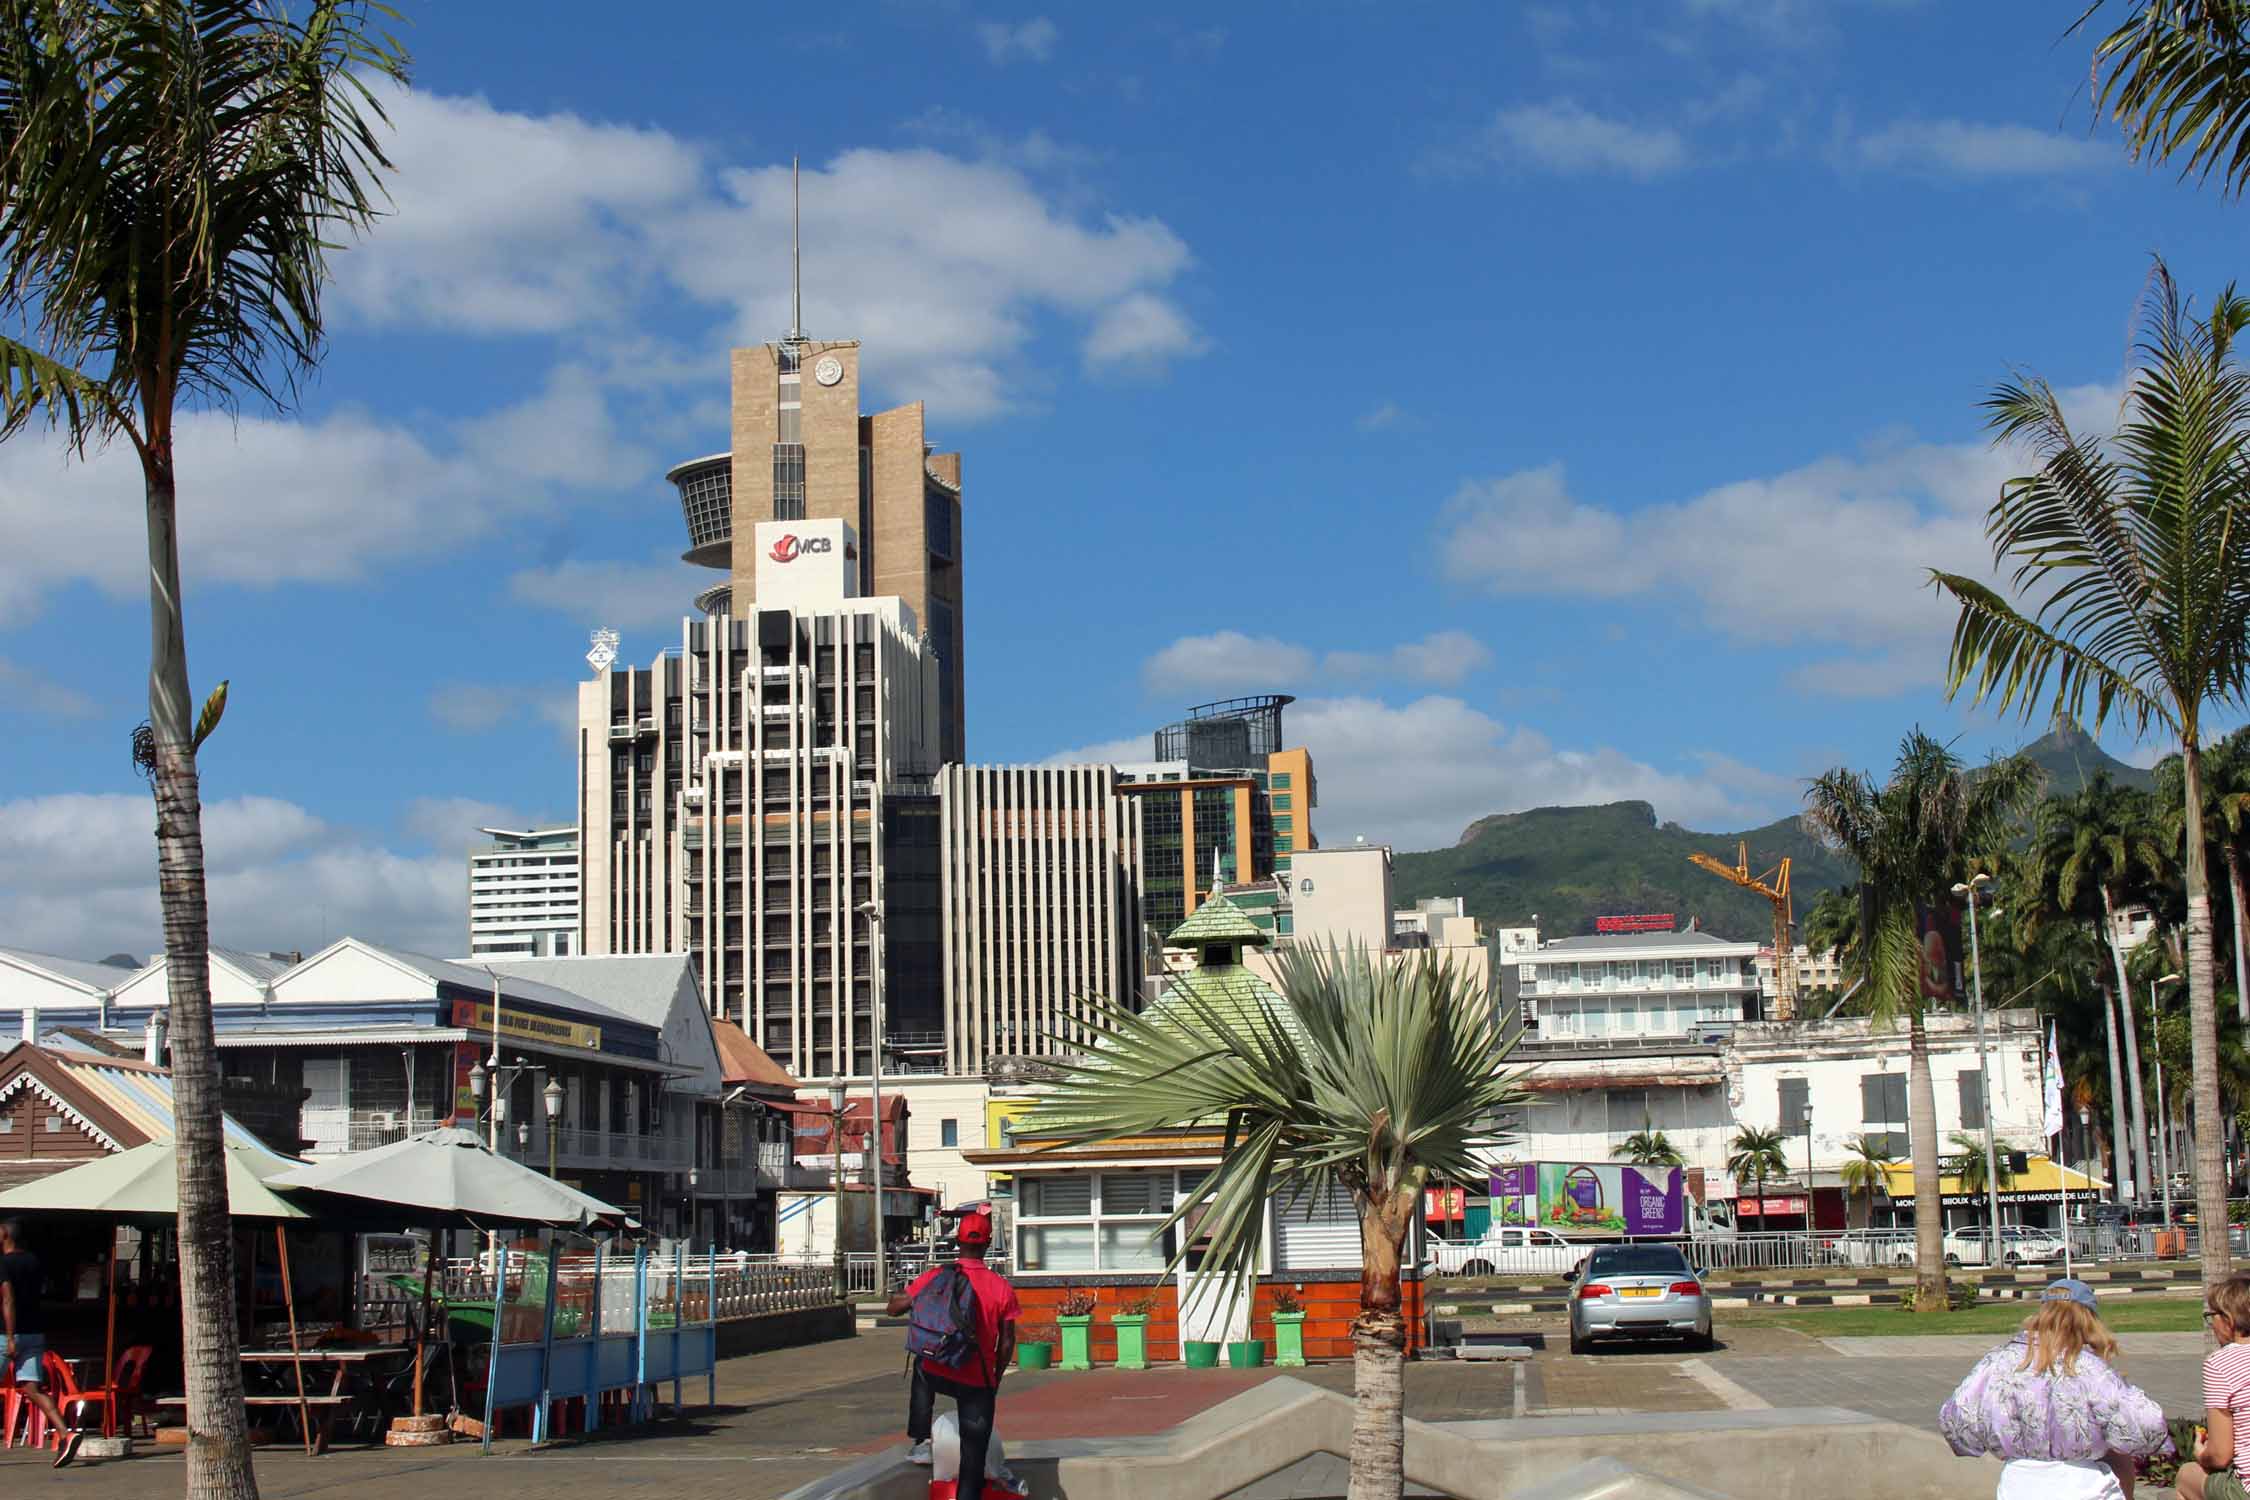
(1039, 883)
(1640, 984)
(745, 797)
(523, 894)
(1223, 800)
(1341, 898)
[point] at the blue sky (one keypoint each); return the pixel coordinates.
(1562, 401)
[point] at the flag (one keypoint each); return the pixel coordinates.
(2053, 1120)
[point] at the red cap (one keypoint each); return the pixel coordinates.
(975, 1228)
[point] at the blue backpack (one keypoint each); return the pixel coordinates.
(942, 1321)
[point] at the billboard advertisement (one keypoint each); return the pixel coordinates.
(1937, 929)
(1584, 1198)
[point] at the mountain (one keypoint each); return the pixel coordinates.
(2070, 758)
(1573, 864)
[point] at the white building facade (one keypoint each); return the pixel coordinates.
(1636, 985)
(523, 894)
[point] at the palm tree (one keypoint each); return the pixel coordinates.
(1866, 1169)
(1832, 922)
(2177, 78)
(173, 174)
(1967, 1165)
(2226, 821)
(2134, 565)
(1758, 1154)
(1649, 1148)
(2095, 850)
(1913, 837)
(1372, 1078)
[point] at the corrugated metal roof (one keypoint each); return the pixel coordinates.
(1614, 942)
(139, 1094)
(99, 976)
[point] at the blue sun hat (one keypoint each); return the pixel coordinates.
(2070, 1289)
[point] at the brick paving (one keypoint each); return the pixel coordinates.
(790, 1416)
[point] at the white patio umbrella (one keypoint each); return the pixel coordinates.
(451, 1173)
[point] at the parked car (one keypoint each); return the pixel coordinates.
(1873, 1247)
(1508, 1250)
(2019, 1245)
(1638, 1291)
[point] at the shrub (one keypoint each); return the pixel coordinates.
(1076, 1305)
(1140, 1307)
(1287, 1302)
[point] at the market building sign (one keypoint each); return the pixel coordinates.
(522, 1026)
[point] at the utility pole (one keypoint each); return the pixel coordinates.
(1972, 889)
(836, 1177)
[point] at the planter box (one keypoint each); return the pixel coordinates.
(1132, 1340)
(1038, 1354)
(1289, 1340)
(1077, 1341)
(1200, 1354)
(1246, 1354)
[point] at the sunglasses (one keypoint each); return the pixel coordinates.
(2211, 1312)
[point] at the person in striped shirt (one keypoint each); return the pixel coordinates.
(2220, 1469)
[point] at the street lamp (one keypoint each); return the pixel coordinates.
(523, 1137)
(2086, 1146)
(693, 1177)
(873, 912)
(1970, 890)
(836, 1172)
(552, 1097)
(2163, 1120)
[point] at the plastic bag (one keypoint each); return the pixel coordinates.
(945, 1450)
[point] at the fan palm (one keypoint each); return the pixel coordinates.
(1913, 837)
(1758, 1154)
(1373, 1078)
(2133, 560)
(2177, 78)
(1866, 1168)
(2094, 852)
(173, 174)
(1648, 1148)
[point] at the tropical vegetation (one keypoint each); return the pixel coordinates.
(1647, 1147)
(174, 175)
(1756, 1154)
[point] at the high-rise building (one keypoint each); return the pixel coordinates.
(762, 799)
(523, 894)
(1040, 875)
(1225, 800)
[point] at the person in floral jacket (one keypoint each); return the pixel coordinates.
(2053, 1405)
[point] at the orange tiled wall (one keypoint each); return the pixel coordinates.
(1329, 1307)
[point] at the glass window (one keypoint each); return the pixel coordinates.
(949, 1132)
(1125, 1193)
(1283, 802)
(1118, 1229)
(1132, 1246)
(1061, 1197)
(1280, 780)
(1055, 1247)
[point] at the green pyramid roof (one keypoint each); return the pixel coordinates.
(1217, 920)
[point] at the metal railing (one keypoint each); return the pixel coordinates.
(1873, 1252)
(745, 1285)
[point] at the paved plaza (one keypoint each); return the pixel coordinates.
(787, 1417)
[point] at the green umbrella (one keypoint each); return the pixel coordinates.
(143, 1183)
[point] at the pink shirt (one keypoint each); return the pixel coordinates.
(2226, 1387)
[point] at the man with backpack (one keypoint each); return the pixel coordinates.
(961, 1334)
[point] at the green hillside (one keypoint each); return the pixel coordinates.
(1573, 864)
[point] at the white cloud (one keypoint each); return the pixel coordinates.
(1386, 416)
(1835, 553)
(654, 595)
(1141, 332)
(1444, 658)
(450, 825)
(1564, 136)
(78, 876)
(265, 500)
(1967, 148)
(26, 690)
(1225, 661)
(1131, 750)
(484, 707)
(1031, 41)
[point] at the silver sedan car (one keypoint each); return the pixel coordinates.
(1638, 1291)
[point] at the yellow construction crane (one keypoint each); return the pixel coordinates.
(1774, 886)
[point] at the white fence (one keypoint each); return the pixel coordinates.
(744, 1285)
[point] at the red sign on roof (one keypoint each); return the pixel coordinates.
(1660, 921)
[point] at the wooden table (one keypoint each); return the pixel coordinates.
(343, 1363)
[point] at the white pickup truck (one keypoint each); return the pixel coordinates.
(1505, 1251)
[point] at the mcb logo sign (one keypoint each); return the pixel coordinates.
(788, 548)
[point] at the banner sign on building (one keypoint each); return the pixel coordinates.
(1591, 1197)
(1445, 1204)
(1658, 921)
(522, 1026)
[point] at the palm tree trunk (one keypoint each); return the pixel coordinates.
(2203, 1025)
(1378, 1456)
(2241, 958)
(1929, 1207)
(2119, 1144)
(218, 1447)
(2142, 1180)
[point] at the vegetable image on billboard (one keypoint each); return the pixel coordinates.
(1603, 1198)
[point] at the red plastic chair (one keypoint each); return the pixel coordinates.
(127, 1385)
(62, 1383)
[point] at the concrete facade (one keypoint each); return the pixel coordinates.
(1341, 897)
(523, 894)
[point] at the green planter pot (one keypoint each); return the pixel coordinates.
(1201, 1354)
(1035, 1355)
(1077, 1342)
(1132, 1340)
(1289, 1340)
(1246, 1354)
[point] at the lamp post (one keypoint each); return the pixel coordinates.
(1973, 888)
(552, 1097)
(2163, 1119)
(693, 1180)
(873, 912)
(836, 1173)
(2085, 1144)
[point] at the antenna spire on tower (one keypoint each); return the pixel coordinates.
(796, 266)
